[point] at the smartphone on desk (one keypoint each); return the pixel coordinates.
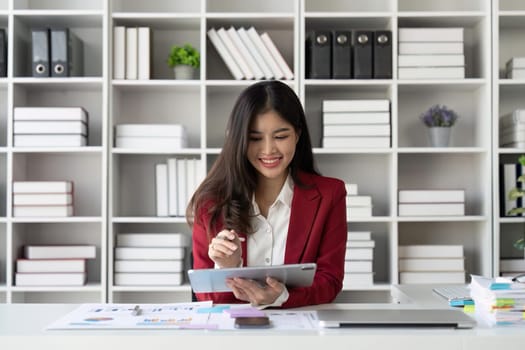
(252, 322)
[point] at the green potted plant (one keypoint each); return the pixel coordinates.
(515, 193)
(184, 60)
(439, 119)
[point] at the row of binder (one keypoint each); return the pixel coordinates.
(56, 52)
(3, 53)
(345, 54)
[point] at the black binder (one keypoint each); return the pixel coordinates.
(66, 53)
(319, 55)
(363, 44)
(40, 52)
(3, 53)
(341, 54)
(382, 54)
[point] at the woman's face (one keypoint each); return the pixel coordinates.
(271, 145)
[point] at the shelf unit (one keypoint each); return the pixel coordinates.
(116, 192)
(508, 30)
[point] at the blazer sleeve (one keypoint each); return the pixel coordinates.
(326, 246)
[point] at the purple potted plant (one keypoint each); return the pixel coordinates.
(439, 119)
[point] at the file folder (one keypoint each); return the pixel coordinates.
(341, 55)
(40, 52)
(3, 53)
(319, 55)
(382, 54)
(363, 44)
(66, 53)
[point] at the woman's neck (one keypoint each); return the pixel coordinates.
(267, 191)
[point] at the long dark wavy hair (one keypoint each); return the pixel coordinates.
(227, 190)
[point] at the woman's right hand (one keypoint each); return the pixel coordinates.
(225, 249)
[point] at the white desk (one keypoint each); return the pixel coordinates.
(22, 326)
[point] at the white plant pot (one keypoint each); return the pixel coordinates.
(183, 72)
(439, 136)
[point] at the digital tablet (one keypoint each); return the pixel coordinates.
(214, 280)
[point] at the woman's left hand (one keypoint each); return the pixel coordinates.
(255, 293)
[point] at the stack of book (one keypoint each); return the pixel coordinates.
(359, 259)
(511, 267)
(431, 53)
(176, 180)
(131, 53)
(512, 129)
(356, 124)
(499, 301)
(509, 174)
(151, 136)
(42, 198)
(431, 202)
(357, 206)
(149, 259)
(55, 265)
(50, 127)
(249, 55)
(515, 68)
(431, 264)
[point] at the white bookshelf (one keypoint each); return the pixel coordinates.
(116, 185)
(508, 29)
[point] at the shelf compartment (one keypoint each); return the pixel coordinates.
(88, 28)
(3, 185)
(251, 6)
(84, 171)
(3, 254)
(70, 5)
(511, 31)
(140, 6)
(3, 115)
(445, 5)
(511, 5)
(509, 233)
(348, 6)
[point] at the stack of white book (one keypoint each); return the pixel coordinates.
(356, 124)
(55, 265)
(431, 202)
(357, 206)
(431, 264)
(249, 55)
(131, 53)
(512, 129)
(50, 127)
(431, 53)
(175, 182)
(359, 259)
(42, 198)
(149, 259)
(511, 267)
(151, 136)
(515, 68)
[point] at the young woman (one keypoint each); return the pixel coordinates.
(264, 203)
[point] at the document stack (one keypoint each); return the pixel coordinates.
(176, 180)
(153, 259)
(431, 202)
(63, 265)
(131, 53)
(359, 260)
(356, 123)
(42, 198)
(512, 129)
(56, 52)
(515, 68)
(50, 127)
(249, 55)
(498, 301)
(357, 206)
(431, 53)
(151, 136)
(431, 264)
(509, 174)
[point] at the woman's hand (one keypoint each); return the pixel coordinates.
(255, 293)
(225, 249)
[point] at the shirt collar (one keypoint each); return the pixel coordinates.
(285, 196)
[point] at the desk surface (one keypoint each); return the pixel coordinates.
(22, 326)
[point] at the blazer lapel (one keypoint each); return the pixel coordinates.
(305, 204)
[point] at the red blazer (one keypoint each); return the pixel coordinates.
(317, 233)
